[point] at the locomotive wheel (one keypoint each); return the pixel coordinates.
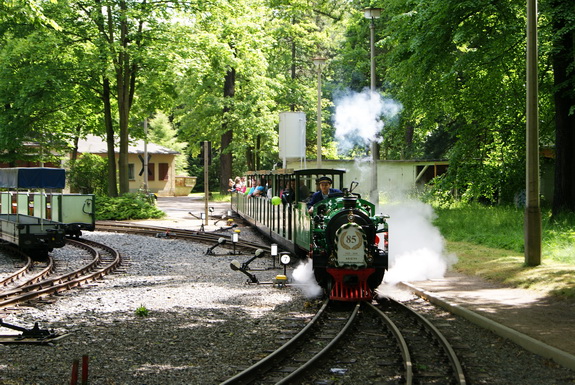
(375, 279)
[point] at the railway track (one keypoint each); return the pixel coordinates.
(210, 238)
(384, 345)
(11, 277)
(103, 260)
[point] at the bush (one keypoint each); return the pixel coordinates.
(127, 206)
(88, 174)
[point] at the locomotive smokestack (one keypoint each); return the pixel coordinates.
(349, 202)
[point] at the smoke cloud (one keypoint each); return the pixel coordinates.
(358, 118)
(305, 280)
(416, 247)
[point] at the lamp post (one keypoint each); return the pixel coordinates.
(319, 62)
(532, 204)
(372, 14)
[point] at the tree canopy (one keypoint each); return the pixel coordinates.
(223, 70)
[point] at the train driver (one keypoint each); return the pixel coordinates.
(325, 189)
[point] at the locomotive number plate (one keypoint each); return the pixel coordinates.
(350, 248)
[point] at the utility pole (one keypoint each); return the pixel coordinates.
(532, 201)
(206, 182)
(372, 14)
(146, 156)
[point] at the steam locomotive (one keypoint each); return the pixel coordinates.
(344, 239)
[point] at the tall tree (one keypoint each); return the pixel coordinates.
(38, 101)
(225, 93)
(458, 68)
(123, 46)
(562, 16)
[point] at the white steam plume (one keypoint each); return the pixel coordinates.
(305, 280)
(416, 247)
(358, 118)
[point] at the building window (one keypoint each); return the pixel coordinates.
(151, 174)
(131, 173)
(163, 169)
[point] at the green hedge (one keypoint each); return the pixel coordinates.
(127, 206)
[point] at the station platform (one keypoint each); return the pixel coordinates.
(539, 323)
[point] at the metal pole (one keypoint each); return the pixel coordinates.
(206, 182)
(372, 53)
(319, 116)
(532, 203)
(146, 156)
(374, 194)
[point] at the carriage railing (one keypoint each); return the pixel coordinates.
(262, 212)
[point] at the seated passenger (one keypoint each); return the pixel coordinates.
(288, 194)
(243, 186)
(258, 189)
(324, 190)
(236, 185)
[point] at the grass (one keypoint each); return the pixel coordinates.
(489, 243)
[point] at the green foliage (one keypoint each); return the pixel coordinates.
(142, 311)
(127, 206)
(196, 168)
(458, 68)
(88, 175)
(162, 132)
(39, 102)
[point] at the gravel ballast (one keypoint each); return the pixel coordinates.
(203, 323)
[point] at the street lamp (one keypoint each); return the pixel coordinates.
(319, 62)
(372, 14)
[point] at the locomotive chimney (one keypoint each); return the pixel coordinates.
(349, 202)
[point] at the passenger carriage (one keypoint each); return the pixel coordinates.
(35, 215)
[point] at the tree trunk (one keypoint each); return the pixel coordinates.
(126, 72)
(108, 122)
(226, 139)
(250, 158)
(123, 75)
(563, 62)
